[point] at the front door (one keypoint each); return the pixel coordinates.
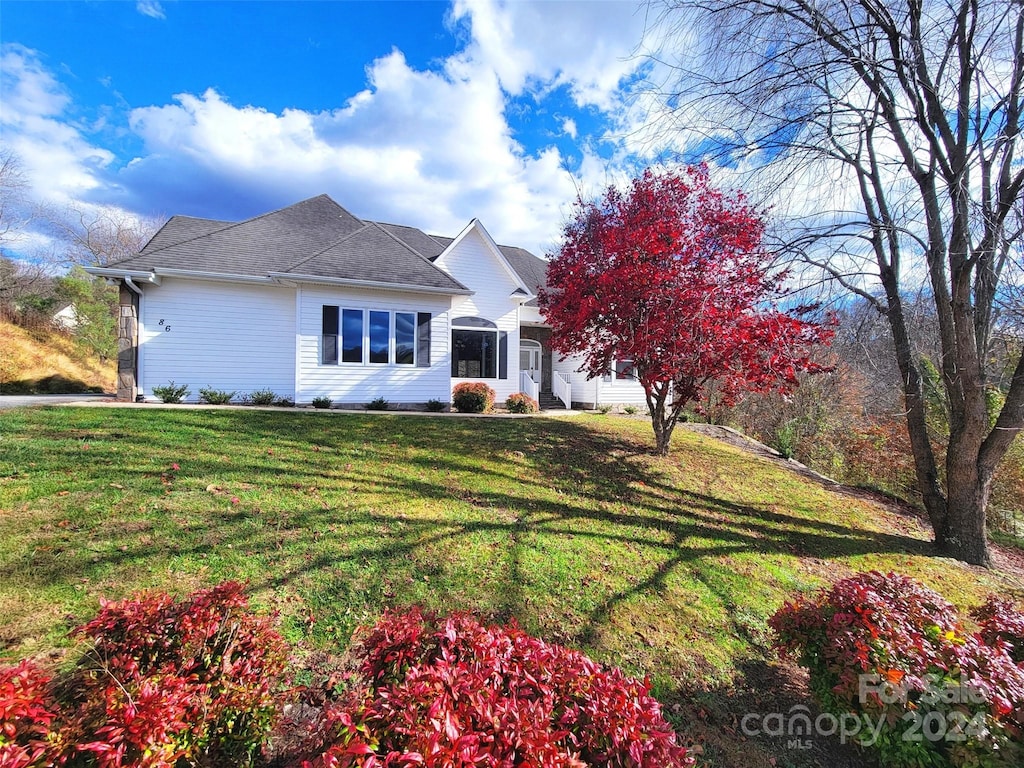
(530, 358)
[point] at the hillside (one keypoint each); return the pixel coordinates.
(668, 567)
(45, 361)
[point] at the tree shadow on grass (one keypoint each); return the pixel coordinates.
(355, 514)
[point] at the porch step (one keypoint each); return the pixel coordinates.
(549, 402)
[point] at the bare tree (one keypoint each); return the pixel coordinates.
(98, 236)
(13, 186)
(895, 123)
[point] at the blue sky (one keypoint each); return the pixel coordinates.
(423, 113)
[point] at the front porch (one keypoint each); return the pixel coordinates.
(538, 379)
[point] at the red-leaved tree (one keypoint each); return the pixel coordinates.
(671, 274)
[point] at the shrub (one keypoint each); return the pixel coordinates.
(215, 396)
(322, 402)
(473, 397)
(786, 439)
(284, 402)
(604, 409)
(171, 392)
(262, 397)
(27, 713)
(521, 402)
(436, 406)
(164, 683)
(453, 692)
(169, 681)
(891, 651)
(631, 410)
(377, 404)
(1001, 622)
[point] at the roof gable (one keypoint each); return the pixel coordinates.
(476, 226)
(375, 255)
(267, 243)
(317, 238)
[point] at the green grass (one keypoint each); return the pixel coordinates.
(666, 567)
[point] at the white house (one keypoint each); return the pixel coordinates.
(310, 301)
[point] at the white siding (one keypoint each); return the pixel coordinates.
(473, 263)
(357, 384)
(217, 334)
(594, 392)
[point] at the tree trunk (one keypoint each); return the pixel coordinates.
(964, 536)
(662, 434)
(663, 423)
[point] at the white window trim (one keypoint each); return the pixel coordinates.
(392, 338)
(478, 329)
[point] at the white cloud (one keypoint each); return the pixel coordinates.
(59, 164)
(431, 148)
(446, 157)
(588, 47)
(150, 8)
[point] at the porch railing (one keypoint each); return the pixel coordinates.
(561, 388)
(528, 386)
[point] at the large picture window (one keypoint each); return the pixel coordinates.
(375, 336)
(474, 354)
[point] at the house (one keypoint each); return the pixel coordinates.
(310, 301)
(65, 318)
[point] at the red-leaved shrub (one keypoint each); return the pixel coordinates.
(454, 692)
(27, 713)
(164, 683)
(1001, 621)
(167, 680)
(893, 652)
(521, 402)
(473, 397)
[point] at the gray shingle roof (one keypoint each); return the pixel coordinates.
(316, 237)
(416, 239)
(268, 243)
(531, 269)
(180, 229)
(372, 253)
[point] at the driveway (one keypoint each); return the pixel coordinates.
(18, 401)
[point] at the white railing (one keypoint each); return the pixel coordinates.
(528, 386)
(561, 388)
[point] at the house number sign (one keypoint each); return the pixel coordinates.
(165, 327)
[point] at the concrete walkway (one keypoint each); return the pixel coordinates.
(22, 401)
(108, 401)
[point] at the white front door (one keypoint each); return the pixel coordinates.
(530, 358)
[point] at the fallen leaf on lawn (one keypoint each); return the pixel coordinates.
(116, 485)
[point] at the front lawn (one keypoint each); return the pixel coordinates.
(666, 567)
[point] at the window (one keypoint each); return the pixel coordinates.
(380, 336)
(620, 370)
(375, 336)
(352, 336)
(329, 344)
(405, 338)
(474, 354)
